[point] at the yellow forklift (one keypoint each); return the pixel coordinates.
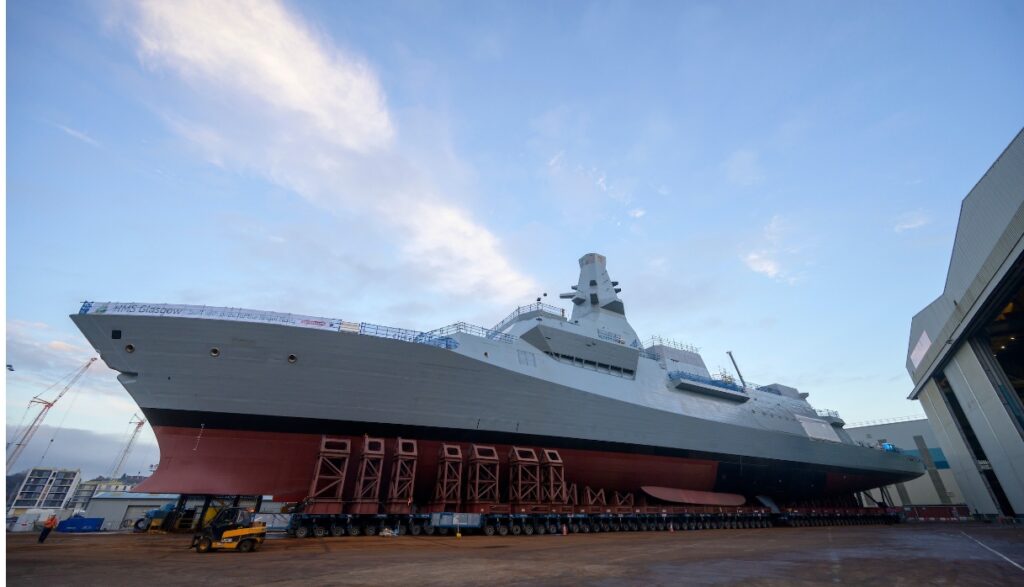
(232, 529)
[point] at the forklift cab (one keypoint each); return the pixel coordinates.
(232, 528)
(229, 519)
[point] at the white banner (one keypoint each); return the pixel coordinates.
(210, 313)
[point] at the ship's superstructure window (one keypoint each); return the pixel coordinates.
(115, 334)
(593, 365)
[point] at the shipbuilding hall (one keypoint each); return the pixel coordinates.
(966, 348)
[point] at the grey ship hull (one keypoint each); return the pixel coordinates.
(248, 421)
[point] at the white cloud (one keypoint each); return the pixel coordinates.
(637, 213)
(743, 168)
(769, 257)
(763, 263)
(273, 98)
(910, 221)
(77, 134)
(261, 51)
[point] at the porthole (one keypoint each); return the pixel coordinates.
(292, 358)
(129, 348)
(215, 352)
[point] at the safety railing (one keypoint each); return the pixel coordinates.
(677, 375)
(826, 413)
(554, 311)
(447, 331)
(682, 346)
(407, 335)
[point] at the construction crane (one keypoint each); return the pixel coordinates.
(25, 435)
(139, 423)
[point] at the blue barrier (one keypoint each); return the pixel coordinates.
(80, 525)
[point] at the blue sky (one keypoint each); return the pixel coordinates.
(781, 179)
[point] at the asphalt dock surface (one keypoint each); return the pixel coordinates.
(907, 554)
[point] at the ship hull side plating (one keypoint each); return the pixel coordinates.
(250, 405)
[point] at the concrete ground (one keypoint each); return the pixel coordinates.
(908, 554)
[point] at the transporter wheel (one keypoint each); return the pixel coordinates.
(633, 526)
(442, 531)
(661, 526)
(415, 529)
(554, 529)
(614, 526)
(428, 529)
(247, 546)
(354, 530)
(529, 529)
(585, 528)
(489, 530)
(516, 529)
(302, 531)
(318, 531)
(337, 530)
(204, 545)
(370, 530)
(542, 529)
(605, 527)
(503, 530)
(574, 528)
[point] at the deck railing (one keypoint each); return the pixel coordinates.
(554, 311)
(682, 346)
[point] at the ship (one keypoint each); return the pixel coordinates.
(240, 400)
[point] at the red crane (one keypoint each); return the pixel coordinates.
(139, 423)
(29, 431)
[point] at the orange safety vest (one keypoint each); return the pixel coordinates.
(51, 523)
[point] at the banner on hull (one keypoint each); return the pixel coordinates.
(210, 313)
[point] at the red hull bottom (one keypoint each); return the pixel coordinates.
(232, 462)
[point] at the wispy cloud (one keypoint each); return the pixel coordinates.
(273, 98)
(910, 221)
(743, 167)
(762, 262)
(77, 134)
(637, 213)
(767, 256)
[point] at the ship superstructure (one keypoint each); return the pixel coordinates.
(241, 399)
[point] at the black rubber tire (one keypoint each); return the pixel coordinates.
(337, 530)
(247, 545)
(428, 529)
(319, 531)
(443, 531)
(370, 530)
(503, 530)
(554, 529)
(353, 530)
(516, 529)
(142, 524)
(415, 529)
(585, 528)
(529, 529)
(302, 531)
(542, 529)
(574, 528)
(204, 545)
(489, 530)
